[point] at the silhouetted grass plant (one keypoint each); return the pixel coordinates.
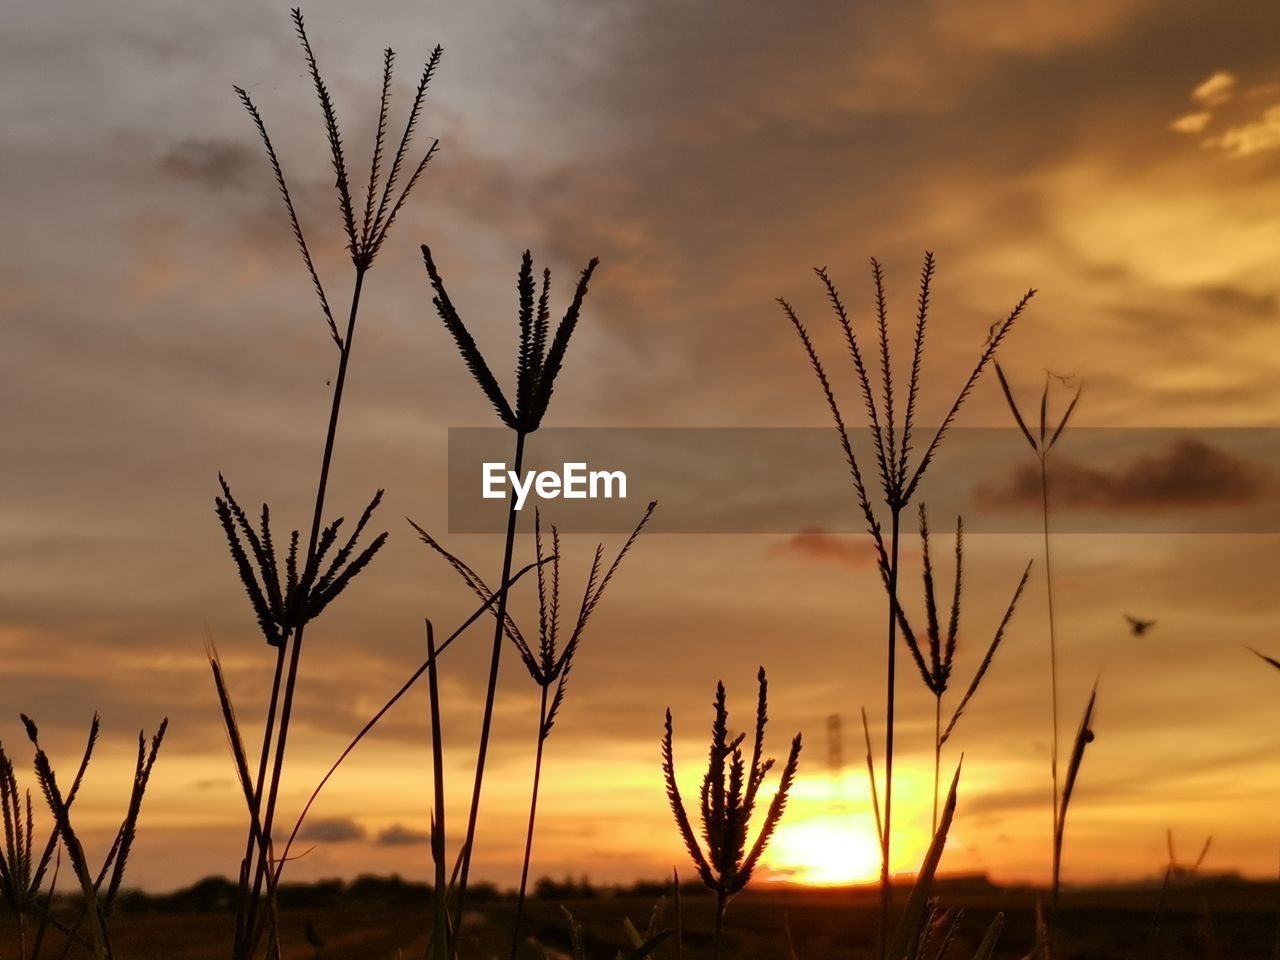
(539, 358)
(1173, 871)
(899, 477)
(22, 872)
(871, 778)
(423, 670)
(441, 935)
(1084, 737)
(937, 660)
(427, 668)
(1042, 442)
(549, 664)
(641, 946)
(287, 595)
(656, 932)
(922, 918)
(915, 925)
(22, 876)
(728, 800)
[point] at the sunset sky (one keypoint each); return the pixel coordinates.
(1122, 156)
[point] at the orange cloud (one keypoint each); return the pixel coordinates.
(822, 547)
(1191, 122)
(1247, 139)
(1217, 88)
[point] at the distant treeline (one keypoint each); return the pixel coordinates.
(213, 894)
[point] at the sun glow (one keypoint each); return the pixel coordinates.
(824, 850)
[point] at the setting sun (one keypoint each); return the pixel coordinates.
(825, 850)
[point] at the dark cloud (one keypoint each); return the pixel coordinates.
(1238, 301)
(214, 164)
(398, 835)
(331, 830)
(1185, 474)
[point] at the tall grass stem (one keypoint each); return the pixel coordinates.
(886, 839)
(533, 814)
(500, 620)
(264, 866)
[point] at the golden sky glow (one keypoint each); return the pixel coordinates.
(1122, 157)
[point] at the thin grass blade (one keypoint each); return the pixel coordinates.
(987, 948)
(914, 915)
(987, 355)
(1013, 408)
(1062, 424)
(985, 665)
(395, 698)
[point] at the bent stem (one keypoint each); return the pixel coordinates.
(373, 721)
(491, 693)
(533, 812)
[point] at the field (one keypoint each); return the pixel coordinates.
(1235, 921)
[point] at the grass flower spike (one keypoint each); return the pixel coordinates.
(286, 596)
(935, 659)
(892, 423)
(728, 800)
(539, 359)
(551, 658)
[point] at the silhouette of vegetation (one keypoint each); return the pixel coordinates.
(1173, 871)
(1084, 737)
(899, 477)
(537, 366)
(285, 603)
(550, 664)
(22, 875)
(936, 663)
(1042, 442)
(728, 800)
(921, 917)
(642, 945)
(290, 581)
